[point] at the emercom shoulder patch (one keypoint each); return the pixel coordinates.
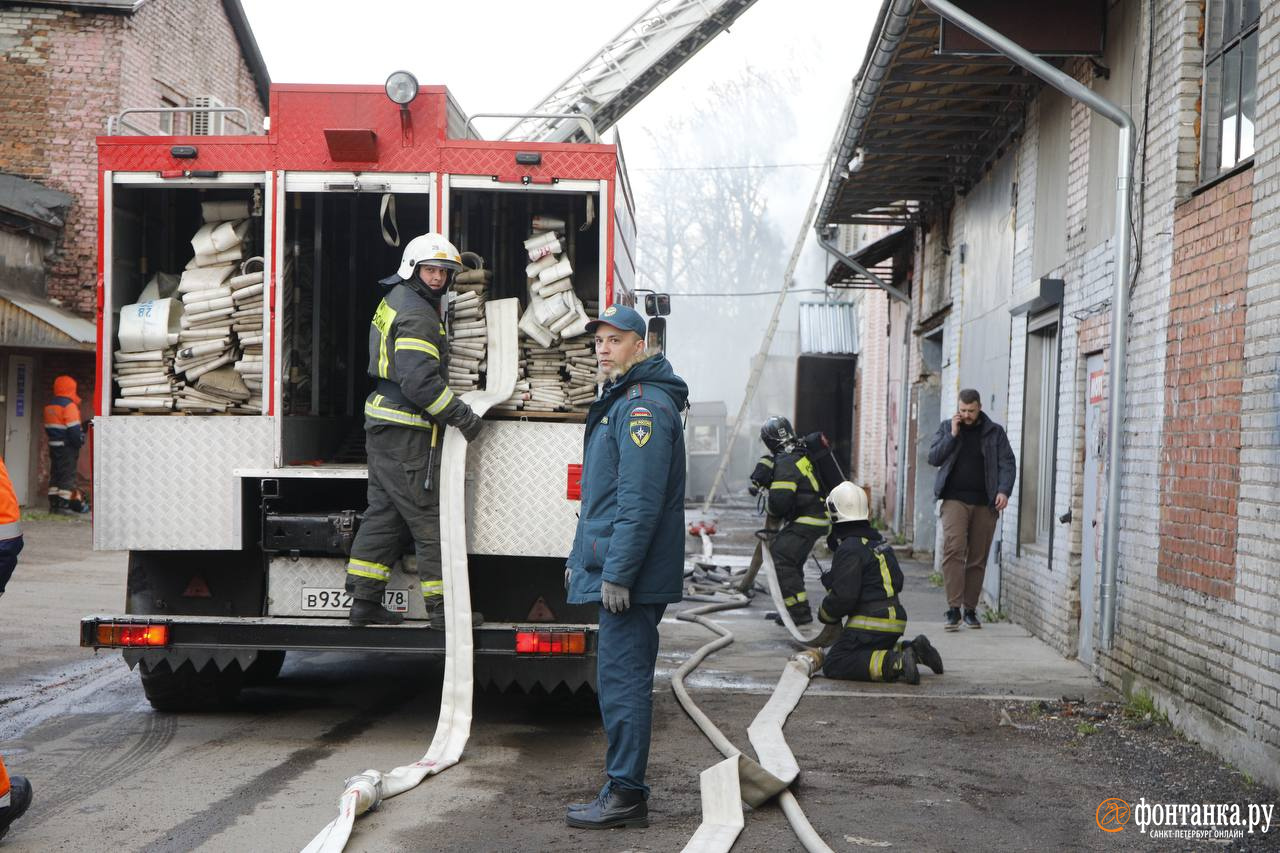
(640, 431)
(641, 412)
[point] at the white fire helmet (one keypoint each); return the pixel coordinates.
(431, 250)
(847, 502)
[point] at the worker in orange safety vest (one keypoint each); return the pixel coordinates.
(66, 437)
(10, 528)
(15, 796)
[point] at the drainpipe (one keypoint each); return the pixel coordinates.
(1072, 88)
(905, 396)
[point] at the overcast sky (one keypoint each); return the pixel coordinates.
(506, 56)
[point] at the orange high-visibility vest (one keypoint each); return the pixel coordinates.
(9, 528)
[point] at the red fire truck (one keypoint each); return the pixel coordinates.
(237, 522)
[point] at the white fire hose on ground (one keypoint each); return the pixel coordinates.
(366, 790)
(727, 785)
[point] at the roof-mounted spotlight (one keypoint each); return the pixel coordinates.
(402, 88)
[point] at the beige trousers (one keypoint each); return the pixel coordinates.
(967, 531)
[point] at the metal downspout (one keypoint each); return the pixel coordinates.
(901, 503)
(1072, 88)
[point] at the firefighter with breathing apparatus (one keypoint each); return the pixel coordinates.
(796, 501)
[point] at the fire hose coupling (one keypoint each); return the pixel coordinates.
(367, 787)
(810, 659)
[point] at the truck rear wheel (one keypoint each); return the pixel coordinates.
(265, 668)
(186, 689)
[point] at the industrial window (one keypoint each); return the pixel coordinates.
(166, 119)
(1040, 415)
(705, 440)
(1230, 100)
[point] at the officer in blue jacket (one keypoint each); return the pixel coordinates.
(628, 551)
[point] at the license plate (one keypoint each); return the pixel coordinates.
(316, 598)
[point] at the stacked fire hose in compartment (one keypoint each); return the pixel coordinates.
(200, 352)
(557, 370)
(467, 329)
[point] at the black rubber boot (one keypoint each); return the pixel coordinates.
(371, 613)
(800, 614)
(927, 654)
(615, 807)
(19, 800)
(908, 671)
(435, 618)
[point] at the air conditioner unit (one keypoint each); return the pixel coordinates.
(206, 123)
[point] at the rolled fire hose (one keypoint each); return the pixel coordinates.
(738, 779)
(366, 790)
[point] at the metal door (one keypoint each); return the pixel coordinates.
(17, 434)
(1094, 475)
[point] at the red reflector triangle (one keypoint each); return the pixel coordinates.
(197, 588)
(540, 612)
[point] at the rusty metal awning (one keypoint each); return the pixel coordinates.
(27, 322)
(920, 126)
(889, 258)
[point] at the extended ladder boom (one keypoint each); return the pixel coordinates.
(630, 66)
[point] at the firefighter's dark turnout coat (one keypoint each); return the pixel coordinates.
(795, 498)
(862, 589)
(404, 417)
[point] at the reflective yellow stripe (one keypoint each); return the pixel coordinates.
(814, 520)
(395, 416)
(790, 600)
(382, 320)
(783, 484)
(418, 345)
(446, 397)
(798, 598)
(377, 571)
(877, 665)
(765, 460)
(432, 589)
(877, 623)
(806, 467)
(824, 617)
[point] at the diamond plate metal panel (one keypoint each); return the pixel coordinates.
(596, 162)
(517, 477)
(164, 483)
(221, 154)
(287, 578)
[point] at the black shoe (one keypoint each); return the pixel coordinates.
(615, 807)
(953, 619)
(19, 800)
(371, 613)
(435, 619)
(800, 615)
(927, 654)
(909, 671)
(971, 619)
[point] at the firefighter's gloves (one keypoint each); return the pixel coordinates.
(614, 598)
(469, 426)
(826, 618)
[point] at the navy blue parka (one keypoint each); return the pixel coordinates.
(631, 526)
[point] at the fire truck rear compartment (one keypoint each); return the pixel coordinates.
(335, 255)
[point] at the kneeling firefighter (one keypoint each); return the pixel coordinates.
(405, 418)
(796, 500)
(863, 585)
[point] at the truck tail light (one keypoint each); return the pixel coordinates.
(574, 492)
(111, 634)
(551, 642)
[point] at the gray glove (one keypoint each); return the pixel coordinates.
(567, 572)
(470, 426)
(615, 598)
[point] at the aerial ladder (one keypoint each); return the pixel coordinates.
(626, 69)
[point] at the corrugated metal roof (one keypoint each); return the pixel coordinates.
(92, 5)
(828, 327)
(30, 323)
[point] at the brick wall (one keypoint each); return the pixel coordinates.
(63, 72)
(1204, 363)
(873, 365)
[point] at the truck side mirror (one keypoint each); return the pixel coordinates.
(656, 340)
(657, 304)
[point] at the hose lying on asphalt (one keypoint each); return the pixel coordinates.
(366, 790)
(737, 779)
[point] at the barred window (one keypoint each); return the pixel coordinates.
(1229, 103)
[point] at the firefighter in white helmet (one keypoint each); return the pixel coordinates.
(405, 418)
(863, 586)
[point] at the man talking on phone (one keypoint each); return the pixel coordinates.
(976, 472)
